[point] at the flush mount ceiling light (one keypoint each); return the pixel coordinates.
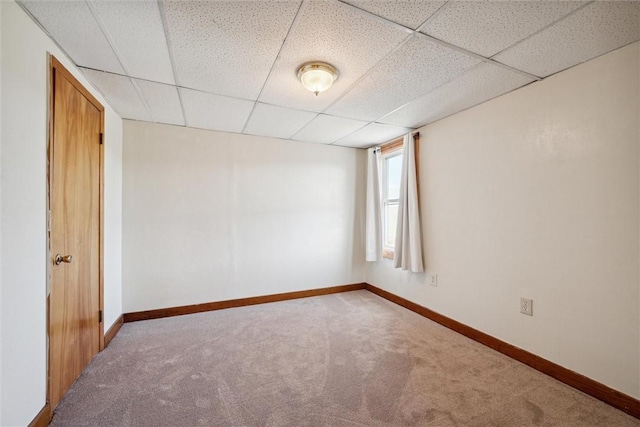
(317, 77)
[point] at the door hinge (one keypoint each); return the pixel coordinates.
(101, 138)
(100, 316)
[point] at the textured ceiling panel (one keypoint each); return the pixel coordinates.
(487, 27)
(372, 134)
(143, 51)
(479, 84)
(226, 53)
(277, 122)
(335, 33)
(596, 29)
(327, 129)
(163, 101)
(208, 111)
(410, 13)
(73, 27)
(120, 94)
(415, 69)
(227, 47)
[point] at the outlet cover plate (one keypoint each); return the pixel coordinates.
(526, 306)
(434, 279)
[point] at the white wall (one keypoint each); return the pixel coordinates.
(23, 222)
(211, 216)
(112, 218)
(536, 194)
(1, 180)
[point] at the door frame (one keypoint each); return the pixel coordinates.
(55, 66)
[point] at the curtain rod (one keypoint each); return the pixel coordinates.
(396, 140)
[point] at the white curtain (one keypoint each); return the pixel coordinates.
(373, 231)
(408, 248)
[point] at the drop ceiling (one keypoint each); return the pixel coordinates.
(231, 65)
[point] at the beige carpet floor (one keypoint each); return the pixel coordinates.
(350, 359)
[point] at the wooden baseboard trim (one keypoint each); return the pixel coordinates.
(591, 387)
(113, 330)
(43, 418)
(219, 305)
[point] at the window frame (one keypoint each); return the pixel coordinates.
(387, 152)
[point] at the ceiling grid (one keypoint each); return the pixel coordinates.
(231, 65)
(167, 37)
(325, 111)
(284, 41)
(586, 3)
(121, 60)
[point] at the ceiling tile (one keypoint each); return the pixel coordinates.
(327, 129)
(596, 29)
(120, 94)
(227, 47)
(163, 101)
(487, 27)
(415, 69)
(73, 26)
(208, 111)
(372, 134)
(277, 122)
(332, 32)
(136, 30)
(477, 85)
(410, 13)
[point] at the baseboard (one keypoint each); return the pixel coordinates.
(219, 305)
(113, 330)
(578, 381)
(43, 418)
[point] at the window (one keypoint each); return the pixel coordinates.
(391, 171)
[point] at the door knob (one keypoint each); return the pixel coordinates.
(63, 258)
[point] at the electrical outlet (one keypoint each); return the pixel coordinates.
(434, 279)
(526, 306)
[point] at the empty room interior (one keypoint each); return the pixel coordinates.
(319, 212)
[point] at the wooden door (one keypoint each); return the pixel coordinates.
(75, 238)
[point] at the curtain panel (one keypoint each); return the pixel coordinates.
(408, 247)
(373, 228)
